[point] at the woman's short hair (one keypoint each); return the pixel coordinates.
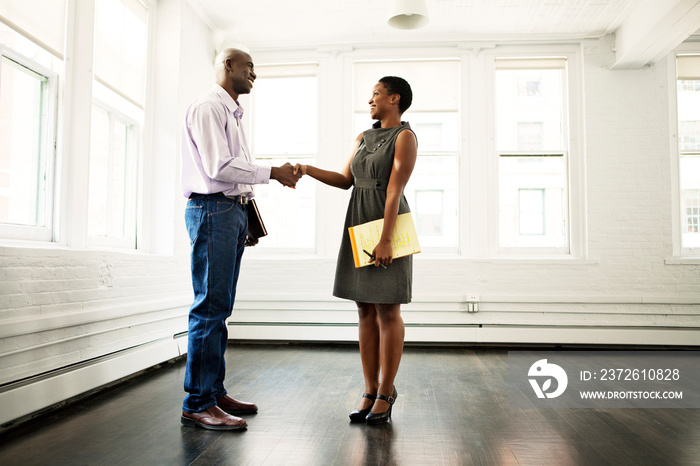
(396, 85)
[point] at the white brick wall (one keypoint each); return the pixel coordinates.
(61, 307)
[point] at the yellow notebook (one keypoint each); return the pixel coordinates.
(404, 239)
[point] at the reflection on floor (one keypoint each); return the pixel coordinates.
(452, 409)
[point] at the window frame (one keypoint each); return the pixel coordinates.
(677, 215)
(44, 233)
(476, 170)
(138, 114)
(280, 69)
(574, 152)
(459, 152)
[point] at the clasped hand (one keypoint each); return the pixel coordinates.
(300, 170)
(286, 174)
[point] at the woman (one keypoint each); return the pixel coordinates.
(382, 162)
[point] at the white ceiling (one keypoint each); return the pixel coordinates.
(265, 24)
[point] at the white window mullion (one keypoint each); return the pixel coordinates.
(109, 185)
(77, 110)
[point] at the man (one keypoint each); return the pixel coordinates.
(217, 176)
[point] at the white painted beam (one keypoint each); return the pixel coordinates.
(653, 29)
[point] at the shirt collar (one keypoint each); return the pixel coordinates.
(226, 98)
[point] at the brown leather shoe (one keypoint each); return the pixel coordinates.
(232, 406)
(213, 419)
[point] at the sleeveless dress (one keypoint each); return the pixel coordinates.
(371, 167)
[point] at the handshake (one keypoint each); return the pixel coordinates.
(287, 174)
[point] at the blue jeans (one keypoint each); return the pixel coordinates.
(217, 229)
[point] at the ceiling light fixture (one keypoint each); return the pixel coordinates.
(408, 14)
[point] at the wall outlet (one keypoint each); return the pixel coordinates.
(472, 298)
(472, 301)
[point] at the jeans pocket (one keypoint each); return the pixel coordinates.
(224, 207)
(193, 221)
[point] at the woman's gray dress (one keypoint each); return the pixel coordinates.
(371, 167)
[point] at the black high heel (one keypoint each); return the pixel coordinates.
(379, 418)
(359, 415)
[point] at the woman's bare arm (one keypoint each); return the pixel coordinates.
(342, 179)
(405, 155)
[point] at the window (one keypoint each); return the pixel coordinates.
(121, 44)
(112, 195)
(23, 153)
(688, 76)
(433, 190)
(284, 128)
(689, 148)
(28, 94)
(531, 146)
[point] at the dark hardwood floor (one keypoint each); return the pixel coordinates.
(452, 409)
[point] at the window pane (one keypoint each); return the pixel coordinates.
(121, 45)
(530, 110)
(433, 189)
(689, 149)
(112, 177)
(531, 211)
(99, 172)
(23, 152)
(532, 202)
(689, 115)
(531, 141)
(118, 182)
(691, 208)
(435, 132)
(690, 200)
(689, 135)
(433, 193)
(282, 125)
(289, 216)
(420, 74)
(530, 136)
(429, 212)
(437, 166)
(286, 130)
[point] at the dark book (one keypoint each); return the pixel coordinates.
(256, 227)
